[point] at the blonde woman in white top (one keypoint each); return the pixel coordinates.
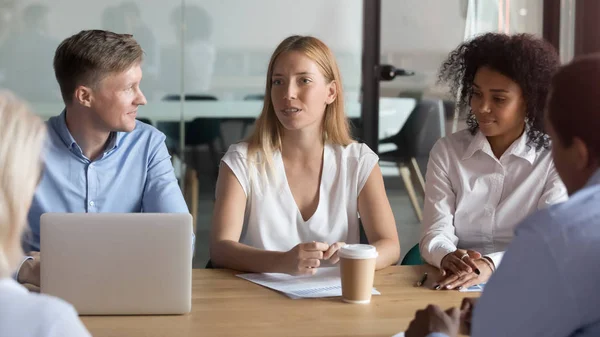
(290, 197)
(22, 313)
(482, 181)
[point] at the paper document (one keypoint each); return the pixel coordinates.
(399, 334)
(475, 288)
(325, 283)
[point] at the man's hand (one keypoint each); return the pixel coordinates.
(466, 314)
(433, 319)
(29, 274)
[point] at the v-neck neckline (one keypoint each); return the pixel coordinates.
(289, 189)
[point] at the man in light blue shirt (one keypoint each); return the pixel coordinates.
(133, 174)
(99, 158)
(547, 284)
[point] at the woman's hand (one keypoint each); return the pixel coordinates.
(465, 280)
(331, 253)
(304, 258)
(459, 262)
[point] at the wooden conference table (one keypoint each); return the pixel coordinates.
(225, 305)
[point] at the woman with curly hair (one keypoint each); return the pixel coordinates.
(484, 180)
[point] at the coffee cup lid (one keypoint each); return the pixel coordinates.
(358, 251)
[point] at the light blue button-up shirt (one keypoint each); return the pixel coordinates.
(547, 284)
(134, 174)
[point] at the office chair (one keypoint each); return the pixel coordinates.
(414, 141)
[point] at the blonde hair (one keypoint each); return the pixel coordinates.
(22, 137)
(90, 55)
(266, 138)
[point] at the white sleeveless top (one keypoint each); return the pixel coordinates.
(272, 220)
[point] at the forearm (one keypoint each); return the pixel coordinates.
(389, 252)
(237, 256)
(23, 260)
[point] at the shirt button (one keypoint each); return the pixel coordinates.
(92, 203)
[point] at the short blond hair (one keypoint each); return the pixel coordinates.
(90, 55)
(22, 137)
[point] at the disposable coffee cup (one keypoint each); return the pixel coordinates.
(357, 269)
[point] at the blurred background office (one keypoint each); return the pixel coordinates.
(205, 65)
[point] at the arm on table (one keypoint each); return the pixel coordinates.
(161, 192)
(228, 219)
(16, 274)
(438, 238)
(28, 273)
(378, 220)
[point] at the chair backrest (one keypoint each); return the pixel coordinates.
(424, 126)
(144, 120)
(200, 130)
(412, 257)
(254, 97)
(189, 97)
(361, 233)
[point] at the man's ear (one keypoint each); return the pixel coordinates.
(83, 96)
(580, 154)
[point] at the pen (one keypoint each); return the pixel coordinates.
(422, 280)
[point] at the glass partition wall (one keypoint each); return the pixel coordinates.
(204, 68)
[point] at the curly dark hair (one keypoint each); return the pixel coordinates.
(528, 60)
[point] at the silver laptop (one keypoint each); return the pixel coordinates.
(118, 264)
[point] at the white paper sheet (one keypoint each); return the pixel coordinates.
(476, 288)
(325, 283)
(399, 334)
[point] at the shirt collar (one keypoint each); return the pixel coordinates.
(521, 149)
(595, 179)
(518, 148)
(60, 125)
(113, 141)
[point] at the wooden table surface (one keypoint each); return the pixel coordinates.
(225, 305)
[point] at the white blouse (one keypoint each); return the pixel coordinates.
(474, 200)
(27, 314)
(272, 220)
